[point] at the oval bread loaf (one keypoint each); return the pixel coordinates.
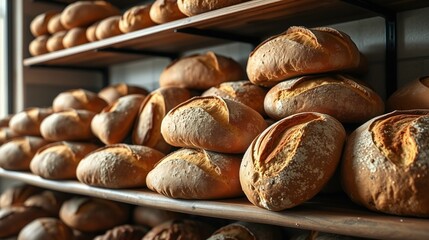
(163, 11)
(55, 25)
(124, 232)
(6, 134)
(78, 99)
(195, 7)
(49, 201)
(180, 229)
(90, 32)
(13, 219)
(28, 121)
(39, 25)
(149, 216)
(111, 93)
(136, 18)
(39, 45)
(247, 231)
(75, 37)
(55, 42)
(84, 13)
(17, 195)
(46, 228)
(413, 95)
(108, 27)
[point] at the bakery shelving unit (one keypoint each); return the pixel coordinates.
(249, 22)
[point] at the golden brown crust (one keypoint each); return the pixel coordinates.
(78, 99)
(194, 7)
(246, 231)
(300, 51)
(75, 37)
(124, 232)
(49, 201)
(46, 228)
(4, 122)
(108, 27)
(55, 42)
(180, 229)
(55, 25)
(136, 18)
(291, 160)
(90, 32)
(163, 11)
(340, 96)
(413, 95)
(385, 163)
(201, 71)
(39, 25)
(149, 216)
(28, 121)
(84, 13)
(13, 219)
(17, 195)
(111, 93)
(39, 45)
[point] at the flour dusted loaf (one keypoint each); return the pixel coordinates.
(201, 71)
(78, 99)
(136, 18)
(163, 11)
(194, 7)
(39, 25)
(107, 28)
(17, 195)
(124, 232)
(342, 97)
(28, 121)
(300, 51)
(46, 228)
(111, 93)
(414, 95)
(13, 219)
(212, 123)
(291, 160)
(55, 41)
(247, 231)
(180, 229)
(84, 13)
(149, 216)
(39, 45)
(386, 165)
(75, 37)
(55, 25)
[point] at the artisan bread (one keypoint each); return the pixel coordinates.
(149, 216)
(136, 18)
(68, 125)
(125, 232)
(118, 166)
(13, 219)
(46, 228)
(163, 11)
(247, 231)
(28, 121)
(93, 214)
(414, 95)
(201, 71)
(84, 13)
(90, 32)
(78, 99)
(6, 134)
(39, 25)
(180, 229)
(241, 91)
(196, 174)
(194, 7)
(340, 96)
(212, 123)
(386, 165)
(17, 153)
(111, 93)
(75, 37)
(55, 25)
(59, 160)
(300, 51)
(147, 129)
(4, 122)
(17, 195)
(115, 121)
(55, 42)
(291, 160)
(49, 201)
(108, 27)
(39, 45)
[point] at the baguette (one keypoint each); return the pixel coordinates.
(84, 13)
(55, 25)
(39, 25)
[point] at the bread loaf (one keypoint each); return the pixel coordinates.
(78, 99)
(55, 42)
(386, 165)
(28, 121)
(69, 125)
(111, 93)
(4, 122)
(194, 7)
(118, 166)
(46, 228)
(136, 18)
(339, 96)
(247, 231)
(125, 232)
(414, 95)
(13, 219)
(90, 32)
(6, 134)
(49, 201)
(39, 25)
(75, 37)
(147, 129)
(108, 27)
(115, 121)
(300, 51)
(59, 160)
(180, 229)
(17, 153)
(212, 123)
(291, 160)
(55, 25)
(149, 216)
(163, 11)
(39, 45)
(201, 71)
(17, 195)
(84, 13)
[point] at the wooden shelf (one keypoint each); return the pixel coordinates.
(324, 213)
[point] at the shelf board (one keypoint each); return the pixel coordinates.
(324, 213)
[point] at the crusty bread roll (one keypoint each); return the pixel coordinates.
(17, 195)
(55, 25)
(180, 229)
(49, 201)
(136, 18)
(163, 11)
(93, 214)
(300, 51)
(194, 7)
(212, 123)
(90, 32)
(413, 95)
(17, 153)
(69, 125)
(78, 99)
(28, 121)
(147, 129)
(291, 160)
(196, 174)
(84, 13)
(108, 27)
(118, 166)
(385, 163)
(201, 71)
(75, 37)
(115, 121)
(4, 122)
(125, 232)
(59, 160)
(13, 219)
(340, 96)
(46, 228)
(241, 91)
(111, 93)
(39, 25)
(149, 216)
(55, 42)
(7, 134)
(39, 45)
(247, 231)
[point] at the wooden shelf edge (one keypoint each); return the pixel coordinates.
(313, 215)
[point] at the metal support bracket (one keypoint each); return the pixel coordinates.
(172, 56)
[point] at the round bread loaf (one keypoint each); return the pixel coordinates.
(17, 153)
(69, 125)
(147, 129)
(386, 165)
(291, 160)
(212, 123)
(49, 201)
(300, 51)
(17, 195)
(39, 25)
(78, 99)
(136, 18)
(149, 216)
(241, 91)
(124, 232)
(201, 71)
(339, 96)
(108, 27)
(163, 11)
(247, 231)
(194, 7)
(111, 93)
(114, 123)
(55, 42)
(118, 166)
(59, 160)
(6, 134)
(90, 32)
(39, 45)
(196, 174)
(55, 25)
(28, 121)
(413, 95)
(46, 228)
(75, 37)
(13, 219)
(180, 229)
(84, 13)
